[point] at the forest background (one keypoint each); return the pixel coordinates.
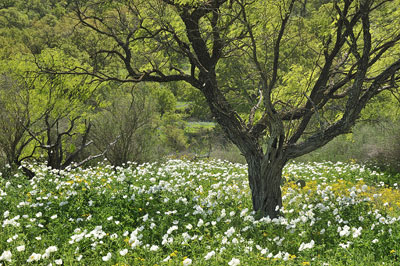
(70, 120)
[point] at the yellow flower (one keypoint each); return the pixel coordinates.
(392, 251)
(173, 254)
(306, 263)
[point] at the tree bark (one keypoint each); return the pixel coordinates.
(265, 179)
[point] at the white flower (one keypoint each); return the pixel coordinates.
(344, 231)
(171, 229)
(39, 214)
(123, 252)
(304, 246)
(107, 257)
(230, 232)
(6, 256)
(6, 214)
(357, 232)
(21, 248)
(345, 246)
(234, 262)
(53, 217)
(200, 223)
(48, 251)
(375, 241)
(243, 212)
(34, 257)
(264, 251)
(278, 255)
(187, 261)
(154, 248)
(51, 249)
(189, 226)
(58, 262)
(209, 255)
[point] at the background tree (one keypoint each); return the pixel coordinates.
(63, 110)
(42, 115)
(126, 129)
(15, 117)
(307, 69)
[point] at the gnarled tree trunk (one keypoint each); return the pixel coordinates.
(265, 179)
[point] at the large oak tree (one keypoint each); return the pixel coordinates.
(305, 69)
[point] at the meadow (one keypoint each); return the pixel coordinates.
(197, 213)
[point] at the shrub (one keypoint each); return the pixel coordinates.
(126, 129)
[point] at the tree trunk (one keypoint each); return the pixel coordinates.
(265, 179)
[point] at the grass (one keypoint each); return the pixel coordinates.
(197, 213)
(196, 127)
(182, 105)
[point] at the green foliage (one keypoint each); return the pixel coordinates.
(166, 101)
(228, 153)
(172, 133)
(374, 143)
(196, 127)
(126, 129)
(14, 117)
(48, 112)
(13, 18)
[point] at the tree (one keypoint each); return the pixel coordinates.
(42, 114)
(15, 117)
(62, 113)
(306, 68)
(126, 129)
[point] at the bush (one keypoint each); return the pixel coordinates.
(127, 129)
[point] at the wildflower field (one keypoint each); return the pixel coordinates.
(197, 213)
